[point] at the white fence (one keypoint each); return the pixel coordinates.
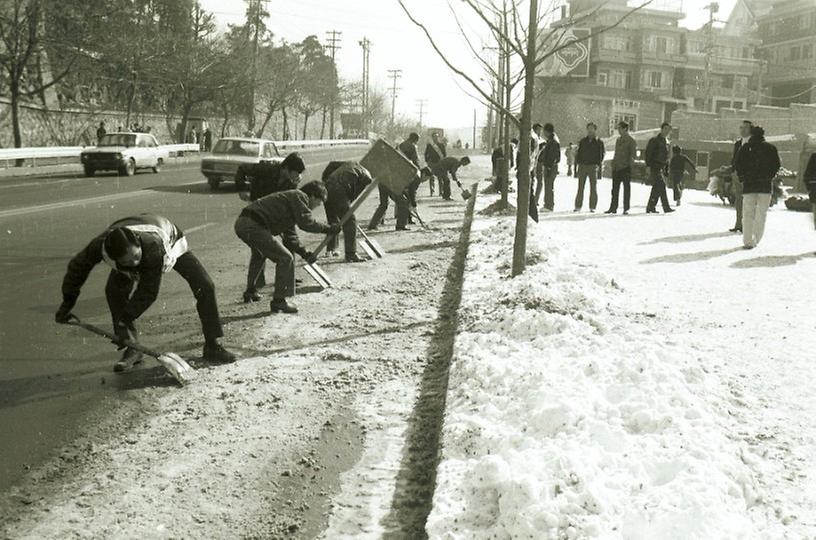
(54, 154)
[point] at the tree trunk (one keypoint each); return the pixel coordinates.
(305, 125)
(323, 124)
(265, 122)
(523, 209)
(285, 135)
(14, 91)
(225, 109)
(131, 97)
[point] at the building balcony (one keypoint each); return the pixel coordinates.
(617, 57)
(663, 59)
(791, 71)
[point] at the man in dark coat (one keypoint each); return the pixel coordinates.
(657, 160)
(623, 163)
(588, 162)
(207, 140)
(434, 153)
(267, 226)
(678, 164)
(266, 178)
(100, 132)
(140, 250)
(445, 170)
(345, 181)
(549, 158)
(757, 164)
(408, 147)
(736, 184)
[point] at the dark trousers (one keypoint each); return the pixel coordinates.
(120, 287)
(257, 260)
(677, 185)
(737, 186)
(549, 187)
(336, 207)
(260, 239)
(622, 176)
(539, 182)
(590, 172)
(402, 209)
(658, 190)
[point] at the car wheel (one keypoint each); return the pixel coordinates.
(214, 182)
(129, 168)
(159, 163)
(240, 181)
(89, 171)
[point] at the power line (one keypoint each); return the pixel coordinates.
(421, 103)
(394, 75)
(333, 38)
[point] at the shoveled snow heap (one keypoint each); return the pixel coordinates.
(573, 414)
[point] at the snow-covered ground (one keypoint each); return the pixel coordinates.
(644, 379)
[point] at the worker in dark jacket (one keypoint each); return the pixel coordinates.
(445, 170)
(276, 215)
(266, 178)
(677, 169)
(140, 250)
(549, 158)
(657, 161)
(345, 181)
(736, 184)
(408, 147)
(588, 162)
(434, 153)
(757, 164)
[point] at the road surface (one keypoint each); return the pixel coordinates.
(51, 378)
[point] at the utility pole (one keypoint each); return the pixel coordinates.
(712, 8)
(394, 75)
(333, 38)
(366, 45)
(421, 103)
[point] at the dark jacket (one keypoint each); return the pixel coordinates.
(737, 146)
(148, 273)
(679, 162)
(431, 154)
(409, 149)
(347, 181)
(265, 178)
(550, 155)
(281, 212)
(590, 151)
(657, 152)
(448, 165)
(810, 177)
(757, 164)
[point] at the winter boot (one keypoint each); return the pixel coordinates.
(216, 353)
(354, 258)
(252, 296)
(130, 358)
(281, 306)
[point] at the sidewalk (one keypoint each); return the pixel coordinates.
(645, 378)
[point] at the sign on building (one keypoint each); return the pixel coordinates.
(571, 58)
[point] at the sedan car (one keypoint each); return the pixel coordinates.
(125, 153)
(230, 154)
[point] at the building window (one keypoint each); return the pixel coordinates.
(616, 43)
(602, 79)
(727, 81)
(696, 47)
(807, 51)
(654, 79)
(794, 54)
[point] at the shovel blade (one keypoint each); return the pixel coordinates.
(319, 275)
(366, 248)
(177, 367)
(466, 194)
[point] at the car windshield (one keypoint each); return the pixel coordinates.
(118, 139)
(237, 148)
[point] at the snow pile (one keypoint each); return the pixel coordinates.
(572, 415)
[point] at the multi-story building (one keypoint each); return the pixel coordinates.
(788, 34)
(645, 68)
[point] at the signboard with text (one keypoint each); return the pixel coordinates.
(571, 56)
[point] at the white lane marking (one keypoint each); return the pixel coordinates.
(76, 178)
(198, 227)
(67, 204)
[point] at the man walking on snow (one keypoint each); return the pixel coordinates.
(139, 250)
(736, 182)
(623, 162)
(657, 160)
(549, 157)
(262, 223)
(344, 180)
(588, 161)
(757, 164)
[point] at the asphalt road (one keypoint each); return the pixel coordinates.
(53, 377)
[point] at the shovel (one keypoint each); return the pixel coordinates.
(465, 193)
(173, 363)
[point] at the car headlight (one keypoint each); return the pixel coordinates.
(118, 155)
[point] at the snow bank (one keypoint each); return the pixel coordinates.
(571, 414)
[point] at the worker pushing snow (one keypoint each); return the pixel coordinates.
(140, 250)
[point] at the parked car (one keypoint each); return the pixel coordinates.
(232, 155)
(125, 153)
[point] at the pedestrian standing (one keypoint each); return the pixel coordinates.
(268, 226)
(736, 183)
(623, 163)
(345, 181)
(549, 158)
(570, 155)
(588, 161)
(100, 132)
(678, 164)
(434, 153)
(757, 165)
(536, 167)
(207, 140)
(657, 161)
(140, 250)
(408, 147)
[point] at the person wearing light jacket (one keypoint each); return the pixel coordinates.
(140, 250)
(757, 164)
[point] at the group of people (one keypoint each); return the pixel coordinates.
(102, 130)
(140, 249)
(204, 138)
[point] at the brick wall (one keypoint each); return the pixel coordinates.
(695, 125)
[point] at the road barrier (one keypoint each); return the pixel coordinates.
(52, 155)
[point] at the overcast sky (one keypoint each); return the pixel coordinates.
(398, 44)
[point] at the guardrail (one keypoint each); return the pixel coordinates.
(11, 156)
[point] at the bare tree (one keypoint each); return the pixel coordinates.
(529, 49)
